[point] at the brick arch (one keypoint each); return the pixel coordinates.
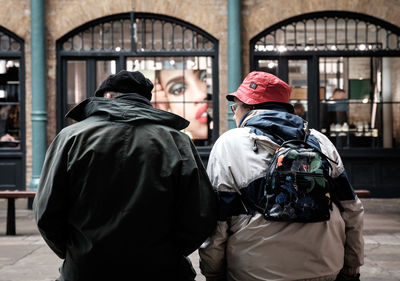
(76, 13)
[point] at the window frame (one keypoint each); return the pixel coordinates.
(121, 57)
(313, 56)
(17, 55)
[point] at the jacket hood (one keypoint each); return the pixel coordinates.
(126, 111)
(278, 125)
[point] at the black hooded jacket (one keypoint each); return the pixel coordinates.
(123, 194)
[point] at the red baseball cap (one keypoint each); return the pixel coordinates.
(259, 87)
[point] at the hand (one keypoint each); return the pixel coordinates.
(7, 137)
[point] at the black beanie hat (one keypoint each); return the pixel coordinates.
(126, 82)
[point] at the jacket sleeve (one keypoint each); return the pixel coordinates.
(50, 208)
(353, 210)
(212, 252)
(353, 216)
(197, 202)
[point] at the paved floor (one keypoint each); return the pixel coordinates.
(25, 257)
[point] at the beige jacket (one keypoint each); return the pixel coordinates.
(250, 248)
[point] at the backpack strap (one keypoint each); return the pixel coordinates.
(306, 144)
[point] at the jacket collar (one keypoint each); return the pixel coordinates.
(275, 123)
(124, 110)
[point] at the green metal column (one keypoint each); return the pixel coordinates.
(234, 51)
(38, 70)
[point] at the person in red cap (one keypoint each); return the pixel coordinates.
(245, 244)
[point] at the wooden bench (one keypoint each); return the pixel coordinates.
(362, 193)
(11, 195)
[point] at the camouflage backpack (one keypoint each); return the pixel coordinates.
(298, 185)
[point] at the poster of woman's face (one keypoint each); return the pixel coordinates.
(184, 92)
(181, 86)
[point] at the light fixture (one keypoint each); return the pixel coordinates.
(117, 49)
(362, 47)
(271, 65)
(269, 47)
(281, 48)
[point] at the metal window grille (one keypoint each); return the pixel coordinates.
(8, 43)
(140, 33)
(329, 31)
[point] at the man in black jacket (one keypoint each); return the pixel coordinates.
(123, 194)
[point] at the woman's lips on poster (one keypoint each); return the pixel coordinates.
(201, 114)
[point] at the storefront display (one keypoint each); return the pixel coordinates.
(344, 70)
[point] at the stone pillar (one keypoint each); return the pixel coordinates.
(39, 111)
(234, 52)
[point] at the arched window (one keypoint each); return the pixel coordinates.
(12, 111)
(178, 57)
(342, 67)
(329, 31)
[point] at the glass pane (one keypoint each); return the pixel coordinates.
(387, 118)
(9, 126)
(139, 34)
(118, 36)
(9, 107)
(87, 39)
(77, 42)
(330, 36)
(208, 45)
(97, 37)
(310, 35)
(333, 107)
(182, 86)
(127, 35)
(270, 43)
(107, 36)
(177, 37)
(351, 34)
(270, 66)
(300, 35)
(290, 37)
(321, 34)
(361, 36)
(298, 81)
(15, 46)
(393, 41)
(4, 42)
(9, 80)
(382, 40)
(76, 84)
(340, 34)
(188, 37)
(148, 35)
(372, 39)
(104, 68)
(67, 45)
(279, 37)
(168, 36)
(367, 113)
(157, 35)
